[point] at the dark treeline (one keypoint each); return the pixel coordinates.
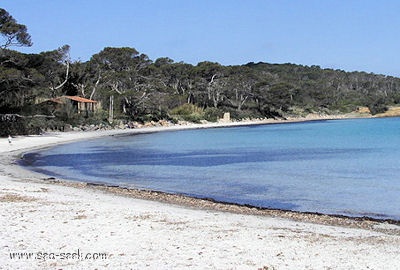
(142, 89)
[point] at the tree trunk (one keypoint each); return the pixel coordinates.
(111, 110)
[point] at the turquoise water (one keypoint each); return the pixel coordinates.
(345, 167)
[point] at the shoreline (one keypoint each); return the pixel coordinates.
(197, 203)
(192, 201)
(182, 199)
(15, 177)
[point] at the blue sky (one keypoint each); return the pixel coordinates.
(351, 35)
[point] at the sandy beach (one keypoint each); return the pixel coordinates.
(54, 224)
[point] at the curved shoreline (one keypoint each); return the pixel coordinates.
(364, 222)
(143, 229)
(180, 199)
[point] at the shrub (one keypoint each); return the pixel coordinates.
(188, 112)
(377, 106)
(186, 109)
(212, 114)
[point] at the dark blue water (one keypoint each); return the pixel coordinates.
(346, 167)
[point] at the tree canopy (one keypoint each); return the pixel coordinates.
(143, 89)
(13, 33)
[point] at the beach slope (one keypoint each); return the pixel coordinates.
(45, 225)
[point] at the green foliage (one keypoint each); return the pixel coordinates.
(67, 112)
(33, 125)
(13, 33)
(186, 109)
(143, 90)
(188, 112)
(96, 118)
(154, 116)
(244, 114)
(38, 125)
(377, 106)
(213, 114)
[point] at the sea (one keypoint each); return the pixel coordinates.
(339, 167)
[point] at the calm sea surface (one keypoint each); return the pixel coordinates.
(348, 167)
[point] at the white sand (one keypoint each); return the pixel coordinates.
(136, 234)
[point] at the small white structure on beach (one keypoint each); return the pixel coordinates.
(226, 118)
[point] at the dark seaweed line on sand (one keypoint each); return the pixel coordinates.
(212, 204)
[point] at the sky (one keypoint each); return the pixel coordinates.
(351, 35)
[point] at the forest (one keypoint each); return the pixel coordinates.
(140, 89)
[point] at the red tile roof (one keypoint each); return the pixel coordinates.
(80, 99)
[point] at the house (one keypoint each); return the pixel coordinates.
(83, 105)
(79, 104)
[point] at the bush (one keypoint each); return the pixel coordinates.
(67, 113)
(244, 114)
(213, 114)
(96, 118)
(377, 106)
(26, 126)
(188, 112)
(186, 109)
